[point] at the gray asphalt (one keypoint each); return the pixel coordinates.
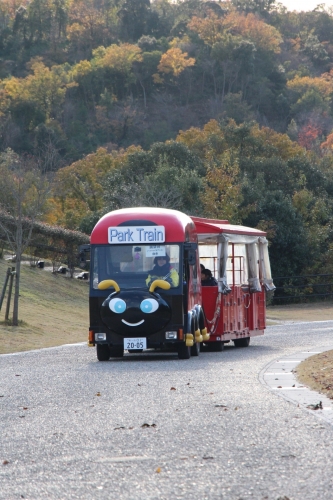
(155, 427)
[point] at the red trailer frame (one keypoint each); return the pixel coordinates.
(235, 309)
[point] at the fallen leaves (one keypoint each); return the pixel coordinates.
(318, 406)
(316, 372)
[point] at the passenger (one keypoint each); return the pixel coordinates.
(202, 267)
(162, 270)
(207, 279)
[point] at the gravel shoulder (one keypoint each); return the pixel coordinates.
(315, 372)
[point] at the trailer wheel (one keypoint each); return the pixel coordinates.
(244, 342)
(184, 352)
(103, 352)
(116, 351)
(195, 349)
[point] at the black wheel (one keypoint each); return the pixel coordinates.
(116, 351)
(103, 352)
(184, 352)
(215, 346)
(244, 342)
(195, 349)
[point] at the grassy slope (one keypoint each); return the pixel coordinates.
(53, 310)
(319, 311)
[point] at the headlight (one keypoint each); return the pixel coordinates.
(100, 336)
(171, 335)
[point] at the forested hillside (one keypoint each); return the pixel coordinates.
(219, 109)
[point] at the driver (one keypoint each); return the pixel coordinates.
(162, 270)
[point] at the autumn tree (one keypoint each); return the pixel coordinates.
(173, 63)
(24, 191)
(78, 190)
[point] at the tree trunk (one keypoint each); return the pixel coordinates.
(17, 290)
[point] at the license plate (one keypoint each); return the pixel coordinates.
(135, 343)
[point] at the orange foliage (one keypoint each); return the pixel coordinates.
(210, 29)
(328, 144)
(308, 135)
(251, 27)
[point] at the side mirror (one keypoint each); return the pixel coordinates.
(84, 256)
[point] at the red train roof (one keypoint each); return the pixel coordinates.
(176, 223)
(215, 226)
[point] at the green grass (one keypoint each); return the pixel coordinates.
(53, 310)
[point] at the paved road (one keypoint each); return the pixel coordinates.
(155, 427)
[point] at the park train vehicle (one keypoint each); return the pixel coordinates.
(129, 313)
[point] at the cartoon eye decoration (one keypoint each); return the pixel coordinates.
(117, 305)
(149, 306)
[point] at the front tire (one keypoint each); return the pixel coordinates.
(195, 349)
(184, 352)
(244, 342)
(116, 351)
(103, 352)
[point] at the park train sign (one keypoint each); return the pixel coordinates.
(132, 234)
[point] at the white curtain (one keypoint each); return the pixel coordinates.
(222, 258)
(253, 267)
(264, 265)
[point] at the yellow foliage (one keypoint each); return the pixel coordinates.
(78, 188)
(212, 29)
(301, 201)
(174, 61)
(197, 139)
(46, 87)
(121, 57)
(323, 84)
(81, 69)
(222, 195)
(157, 78)
(285, 146)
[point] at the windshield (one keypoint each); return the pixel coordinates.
(133, 266)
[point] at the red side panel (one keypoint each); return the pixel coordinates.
(257, 311)
(233, 315)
